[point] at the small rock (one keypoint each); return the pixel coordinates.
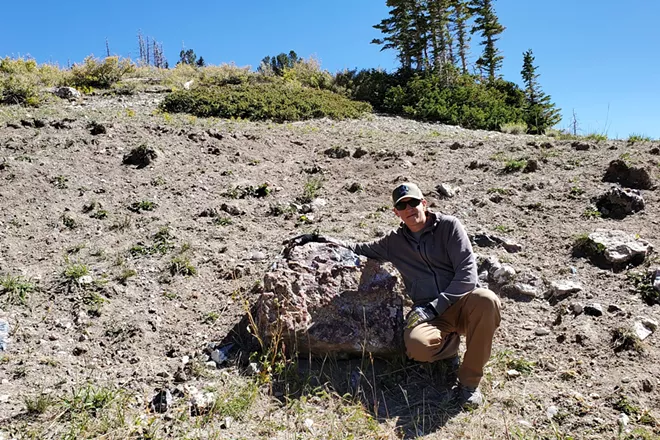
(4, 335)
(484, 240)
(219, 357)
(523, 289)
(258, 256)
(593, 309)
(456, 146)
(647, 385)
(641, 330)
(613, 308)
(95, 128)
(162, 401)
(446, 190)
(576, 308)
(65, 92)
(511, 247)
(562, 289)
(532, 166)
(253, 368)
(504, 274)
(85, 280)
(656, 280)
(360, 152)
(180, 376)
(594, 396)
(513, 373)
(227, 422)
(231, 209)
(355, 187)
(309, 423)
(623, 420)
(551, 411)
(79, 351)
(541, 331)
(581, 146)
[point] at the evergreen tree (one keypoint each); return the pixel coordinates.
(278, 63)
(187, 57)
(460, 14)
(200, 62)
(539, 111)
(487, 24)
(406, 32)
(438, 22)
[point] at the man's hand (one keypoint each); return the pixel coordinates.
(420, 314)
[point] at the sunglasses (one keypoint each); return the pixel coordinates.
(412, 203)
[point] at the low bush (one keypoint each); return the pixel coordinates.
(277, 101)
(101, 74)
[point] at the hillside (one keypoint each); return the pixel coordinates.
(129, 272)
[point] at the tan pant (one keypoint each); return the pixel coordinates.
(477, 316)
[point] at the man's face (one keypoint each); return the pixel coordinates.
(413, 216)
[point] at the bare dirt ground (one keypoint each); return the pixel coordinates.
(117, 312)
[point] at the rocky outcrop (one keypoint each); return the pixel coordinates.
(323, 299)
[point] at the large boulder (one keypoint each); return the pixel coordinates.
(631, 177)
(322, 299)
(614, 249)
(619, 202)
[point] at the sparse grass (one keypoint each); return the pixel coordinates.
(38, 404)
(311, 189)
(125, 275)
(643, 282)
(576, 191)
(501, 191)
(68, 221)
(514, 128)
(144, 205)
(637, 137)
(60, 182)
(100, 214)
(624, 339)
(15, 290)
(74, 271)
(211, 317)
(223, 221)
(591, 213)
(121, 224)
(182, 266)
(503, 229)
(514, 165)
(596, 137)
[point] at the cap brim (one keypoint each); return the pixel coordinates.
(408, 196)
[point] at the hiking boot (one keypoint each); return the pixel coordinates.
(468, 397)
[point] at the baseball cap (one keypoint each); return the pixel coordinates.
(405, 190)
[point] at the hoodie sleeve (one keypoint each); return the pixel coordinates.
(463, 262)
(377, 249)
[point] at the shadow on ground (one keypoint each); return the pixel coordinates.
(416, 397)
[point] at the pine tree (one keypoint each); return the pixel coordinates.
(540, 111)
(438, 21)
(460, 14)
(406, 32)
(487, 24)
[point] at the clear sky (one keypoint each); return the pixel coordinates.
(599, 58)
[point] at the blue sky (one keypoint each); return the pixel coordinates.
(598, 58)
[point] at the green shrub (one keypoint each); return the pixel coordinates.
(513, 165)
(276, 101)
(96, 73)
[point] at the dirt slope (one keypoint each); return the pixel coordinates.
(68, 201)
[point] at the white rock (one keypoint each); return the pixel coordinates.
(564, 288)
(188, 84)
(541, 331)
(504, 274)
(551, 411)
(85, 279)
(309, 424)
(513, 373)
(4, 398)
(641, 330)
(623, 420)
(446, 190)
(619, 246)
(526, 289)
(649, 323)
(218, 357)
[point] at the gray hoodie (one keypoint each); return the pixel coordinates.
(439, 268)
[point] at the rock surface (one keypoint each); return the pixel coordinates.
(326, 299)
(614, 248)
(619, 202)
